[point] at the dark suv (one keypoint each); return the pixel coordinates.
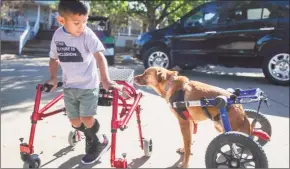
(249, 34)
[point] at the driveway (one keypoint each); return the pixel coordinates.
(19, 77)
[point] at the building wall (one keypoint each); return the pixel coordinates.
(30, 12)
(44, 17)
(10, 35)
(125, 41)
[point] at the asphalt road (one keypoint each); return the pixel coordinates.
(20, 76)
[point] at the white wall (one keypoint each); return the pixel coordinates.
(44, 16)
(121, 40)
(30, 12)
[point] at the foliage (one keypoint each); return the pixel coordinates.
(156, 12)
(152, 13)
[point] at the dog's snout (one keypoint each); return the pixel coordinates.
(138, 80)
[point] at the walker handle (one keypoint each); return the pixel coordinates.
(47, 87)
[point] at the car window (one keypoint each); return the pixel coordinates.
(250, 11)
(208, 14)
(257, 13)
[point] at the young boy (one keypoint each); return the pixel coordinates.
(78, 51)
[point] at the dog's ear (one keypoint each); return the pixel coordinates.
(161, 75)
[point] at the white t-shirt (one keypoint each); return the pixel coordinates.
(76, 56)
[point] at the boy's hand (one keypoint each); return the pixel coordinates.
(53, 82)
(108, 84)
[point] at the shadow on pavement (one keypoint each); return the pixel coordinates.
(59, 154)
(18, 84)
(175, 165)
(75, 162)
(138, 162)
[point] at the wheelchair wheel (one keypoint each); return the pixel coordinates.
(235, 150)
(262, 124)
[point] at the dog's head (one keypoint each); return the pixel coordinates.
(154, 76)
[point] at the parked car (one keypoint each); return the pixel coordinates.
(249, 34)
(101, 26)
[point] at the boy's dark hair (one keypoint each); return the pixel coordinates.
(73, 7)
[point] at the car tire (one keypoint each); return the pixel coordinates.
(157, 51)
(267, 65)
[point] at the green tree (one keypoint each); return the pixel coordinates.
(155, 12)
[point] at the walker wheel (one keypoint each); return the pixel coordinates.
(73, 138)
(35, 162)
(235, 150)
(147, 147)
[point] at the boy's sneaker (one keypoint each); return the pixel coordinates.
(96, 152)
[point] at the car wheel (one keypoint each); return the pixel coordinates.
(276, 68)
(157, 57)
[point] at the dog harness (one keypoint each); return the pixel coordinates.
(178, 96)
(168, 86)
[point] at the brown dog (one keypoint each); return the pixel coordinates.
(166, 83)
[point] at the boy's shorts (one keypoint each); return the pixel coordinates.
(80, 102)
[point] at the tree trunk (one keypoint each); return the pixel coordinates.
(144, 27)
(152, 24)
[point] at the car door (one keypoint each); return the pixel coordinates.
(247, 22)
(198, 41)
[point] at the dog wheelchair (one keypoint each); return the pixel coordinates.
(238, 143)
(127, 99)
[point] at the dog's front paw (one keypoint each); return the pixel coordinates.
(182, 165)
(180, 150)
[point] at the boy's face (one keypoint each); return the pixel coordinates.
(73, 23)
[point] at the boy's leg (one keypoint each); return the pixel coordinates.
(72, 108)
(99, 143)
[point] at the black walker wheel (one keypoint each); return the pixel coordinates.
(235, 150)
(34, 162)
(72, 138)
(262, 124)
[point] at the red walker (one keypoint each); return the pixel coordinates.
(107, 98)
